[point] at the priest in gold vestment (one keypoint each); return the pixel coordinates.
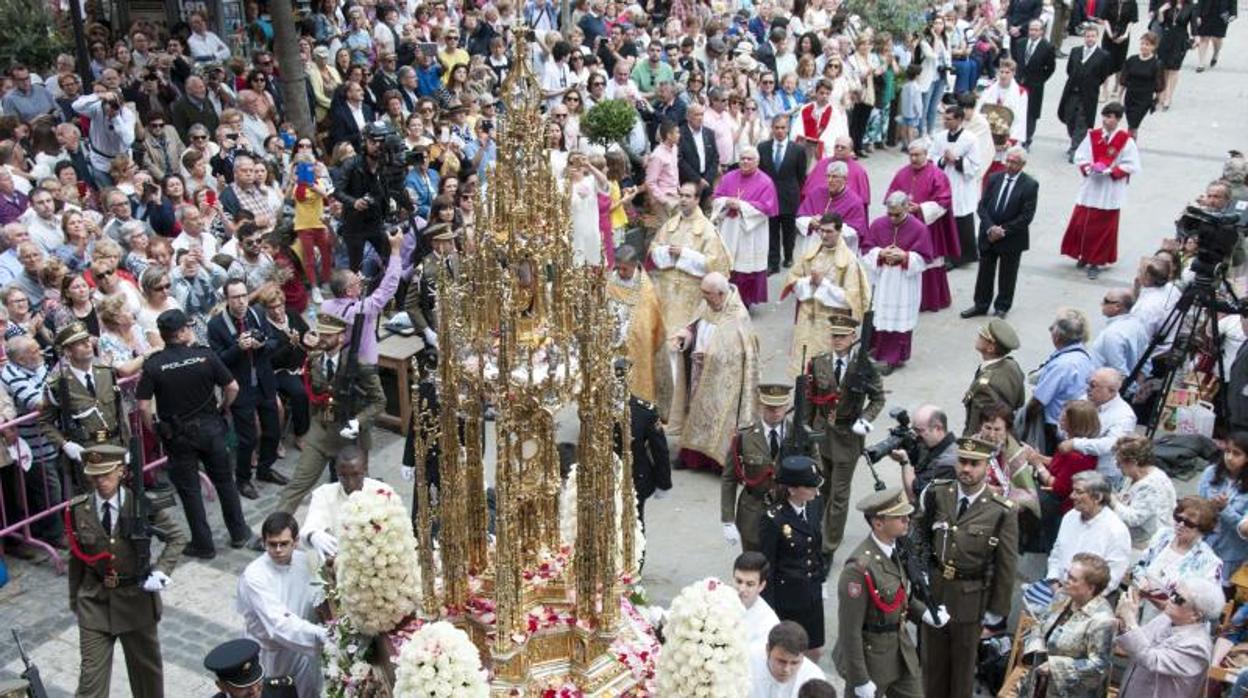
(685, 249)
(716, 377)
(632, 297)
(826, 275)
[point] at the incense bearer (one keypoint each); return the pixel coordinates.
(752, 465)
(114, 590)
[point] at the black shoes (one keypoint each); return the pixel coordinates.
(973, 311)
(202, 554)
(247, 489)
(237, 543)
(271, 475)
(788, 264)
(1000, 313)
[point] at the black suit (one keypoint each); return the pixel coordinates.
(788, 175)
(1019, 16)
(1237, 393)
(687, 161)
(257, 388)
(1033, 72)
(1014, 213)
(766, 54)
(652, 466)
(1077, 109)
(342, 126)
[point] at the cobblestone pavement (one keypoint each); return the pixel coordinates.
(1181, 150)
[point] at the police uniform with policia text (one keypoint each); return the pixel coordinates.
(236, 664)
(82, 407)
(106, 586)
(875, 600)
(184, 379)
(973, 550)
(752, 465)
(792, 542)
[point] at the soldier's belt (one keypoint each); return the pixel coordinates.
(881, 627)
(949, 573)
(99, 436)
(757, 494)
(112, 580)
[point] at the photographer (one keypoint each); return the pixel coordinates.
(932, 456)
(112, 130)
(365, 196)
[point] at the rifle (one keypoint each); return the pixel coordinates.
(801, 439)
(347, 378)
(860, 372)
(139, 528)
(31, 674)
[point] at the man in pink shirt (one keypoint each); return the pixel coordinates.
(662, 174)
(721, 123)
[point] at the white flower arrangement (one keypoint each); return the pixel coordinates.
(705, 653)
(567, 517)
(346, 662)
(440, 660)
(378, 575)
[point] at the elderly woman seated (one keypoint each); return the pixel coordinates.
(1090, 527)
(1145, 498)
(1169, 655)
(1178, 553)
(1067, 653)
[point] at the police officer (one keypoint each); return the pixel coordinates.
(328, 391)
(236, 664)
(110, 592)
(791, 537)
(421, 300)
(83, 402)
(184, 379)
(848, 396)
(873, 650)
(970, 537)
(998, 378)
(751, 464)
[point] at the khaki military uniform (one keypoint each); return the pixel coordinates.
(750, 466)
(834, 413)
(91, 419)
(999, 381)
(971, 564)
(422, 296)
(872, 643)
(323, 440)
(107, 597)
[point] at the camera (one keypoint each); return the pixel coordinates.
(1218, 236)
(900, 436)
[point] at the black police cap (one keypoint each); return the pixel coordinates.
(236, 663)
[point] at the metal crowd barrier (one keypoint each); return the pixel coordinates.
(20, 528)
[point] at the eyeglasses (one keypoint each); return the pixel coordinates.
(1108, 301)
(597, 83)
(105, 274)
(251, 241)
(559, 116)
(231, 136)
(304, 144)
(571, 99)
(1180, 519)
(161, 287)
(264, 64)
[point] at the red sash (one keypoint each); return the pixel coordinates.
(1105, 152)
(813, 130)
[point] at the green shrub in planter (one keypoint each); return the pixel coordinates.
(609, 121)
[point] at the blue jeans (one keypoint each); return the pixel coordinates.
(967, 72)
(932, 102)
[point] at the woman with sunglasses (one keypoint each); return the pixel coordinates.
(156, 300)
(1169, 656)
(1178, 552)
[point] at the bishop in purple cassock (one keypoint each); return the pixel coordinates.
(896, 250)
(837, 197)
(857, 179)
(745, 200)
(931, 201)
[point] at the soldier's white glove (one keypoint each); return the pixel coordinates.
(936, 618)
(431, 337)
(324, 543)
(73, 450)
(862, 427)
(352, 430)
(662, 494)
(866, 690)
(156, 581)
(408, 472)
(731, 534)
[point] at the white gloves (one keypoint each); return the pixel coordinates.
(322, 634)
(866, 690)
(408, 473)
(662, 494)
(156, 581)
(73, 450)
(862, 427)
(731, 534)
(352, 430)
(431, 337)
(324, 543)
(936, 618)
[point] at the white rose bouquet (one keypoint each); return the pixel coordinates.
(377, 572)
(440, 660)
(705, 650)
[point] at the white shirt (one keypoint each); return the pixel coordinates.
(1117, 420)
(115, 504)
(763, 685)
(697, 142)
(357, 113)
(325, 505)
(1104, 535)
(207, 47)
(759, 619)
(886, 548)
(81, 375)
(278, 604)
(970, 498)
(185, 241)
(47, 232)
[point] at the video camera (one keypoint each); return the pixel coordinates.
(900, 436)
(1218, 234)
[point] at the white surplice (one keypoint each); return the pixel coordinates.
(758, 620)
(745, 235)
(964, 182)
(898, 291)
(1101, 190)
(278, 605)
(1013, 98)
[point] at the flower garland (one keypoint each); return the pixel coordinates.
(567, 517)
(378, 577)
(705, 649)
(347, 662)
(440, 660)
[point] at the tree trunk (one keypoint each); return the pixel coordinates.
(286, 51)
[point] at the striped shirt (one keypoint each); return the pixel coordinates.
(26, 387)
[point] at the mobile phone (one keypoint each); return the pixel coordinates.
(305, 173)
(211, 197)
(446, 135)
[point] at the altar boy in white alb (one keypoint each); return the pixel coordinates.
(780, 667)
(749, 575)
(955, 150)
(1006, 92)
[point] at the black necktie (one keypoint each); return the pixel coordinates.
(329, 371)
(90, 384)
(1031, 48)
(963, 503)
(775, 444)
(1004, 196)
(840, 370)
(107, 520)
